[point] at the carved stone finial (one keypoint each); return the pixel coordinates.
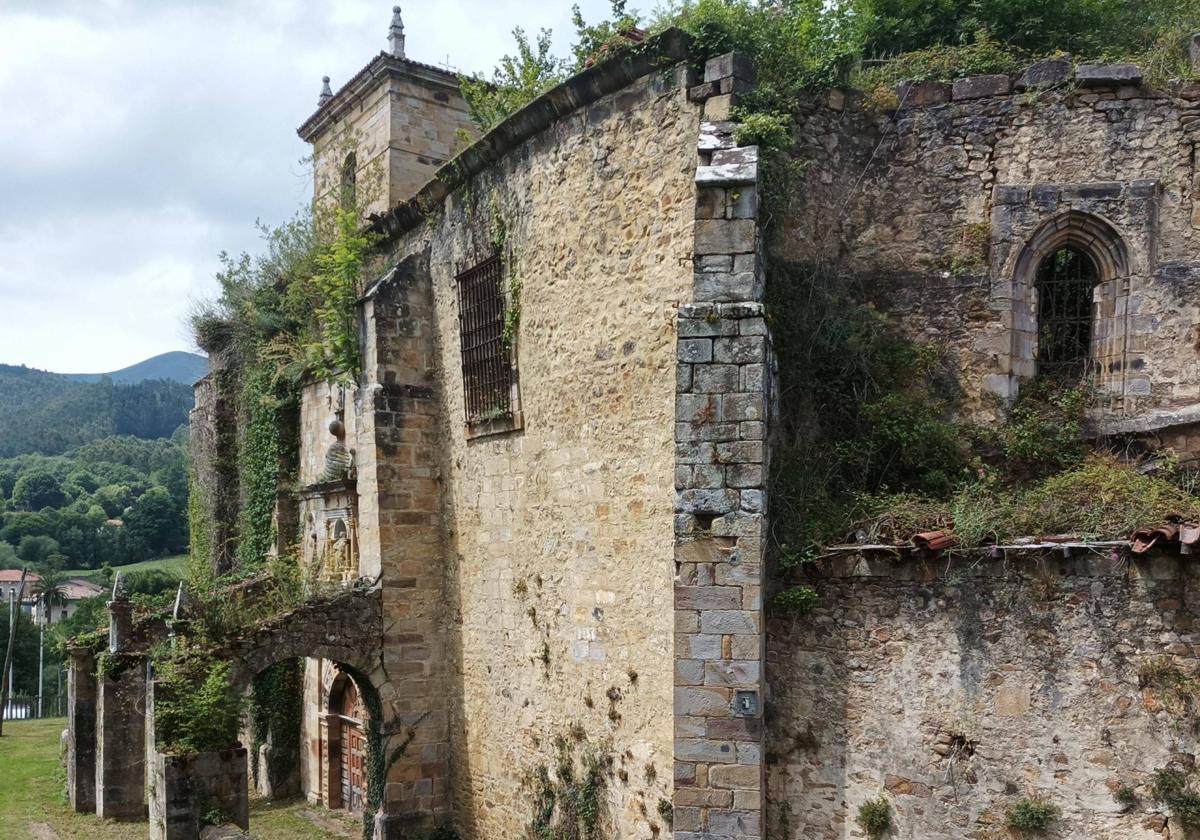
(326, 93)
(118, 590)
(338, 459)
(396, 34)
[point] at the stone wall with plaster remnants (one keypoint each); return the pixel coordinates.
(958, 687)
(558, 520)
(945, 205)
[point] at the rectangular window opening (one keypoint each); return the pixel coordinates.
(487, 360)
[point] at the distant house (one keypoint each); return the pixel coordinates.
(10, 579)
(74, 591)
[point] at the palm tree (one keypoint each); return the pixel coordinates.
(50, 590)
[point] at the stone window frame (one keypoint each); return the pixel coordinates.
(1100, 241)
(1113, 223)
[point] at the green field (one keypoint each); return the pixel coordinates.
(32, 807)
(176, 565)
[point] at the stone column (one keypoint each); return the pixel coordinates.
(722, 407)
(400, 540)
(121, 718)
(1194, 52)
(81, 729)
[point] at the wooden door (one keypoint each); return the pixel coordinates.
(353, 751)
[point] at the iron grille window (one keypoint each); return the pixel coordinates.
(1065, 283)
(486, 360)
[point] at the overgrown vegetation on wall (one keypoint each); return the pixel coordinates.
(806, 45)
(276, 707)
(871, 447)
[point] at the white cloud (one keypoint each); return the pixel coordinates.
(142, 137)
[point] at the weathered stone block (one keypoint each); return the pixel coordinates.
(1046, 73)
(707, 597)
(729, 621)
(732, 673)
(710, 286)
(716, 378)
(725, 236)
(743, 350)
(719, 108)
(703, 702)
(694, 350)
(706, 501)
(747, 777)
(979, 87)
(734, 823)
(730, 65)
(1103, 75)
(922, 94)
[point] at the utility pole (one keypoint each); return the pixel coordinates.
(6, 674)
(41, 654)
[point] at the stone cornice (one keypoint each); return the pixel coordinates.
(665, 49)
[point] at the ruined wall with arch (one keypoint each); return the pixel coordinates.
(958, 686)
(948, 204)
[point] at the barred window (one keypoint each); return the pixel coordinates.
(486, 356)
(1065, 283)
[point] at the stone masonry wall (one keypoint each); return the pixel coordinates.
(913, 201)
(559, 569)
(722, 407)
(958, 687)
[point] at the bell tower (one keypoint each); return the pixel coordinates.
(383, 134)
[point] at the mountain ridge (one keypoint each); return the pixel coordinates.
(176, 365)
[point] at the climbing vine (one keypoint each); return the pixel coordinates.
(276, 708)
(566, 801)
(268, 453)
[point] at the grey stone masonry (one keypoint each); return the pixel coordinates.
(184, 788)
(721, 415)
(81, 731)
(121, 739)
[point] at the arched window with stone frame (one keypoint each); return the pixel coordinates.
(1070, 305)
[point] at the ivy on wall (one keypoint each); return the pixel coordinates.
(276, 708)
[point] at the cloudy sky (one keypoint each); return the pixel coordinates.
(140, 138)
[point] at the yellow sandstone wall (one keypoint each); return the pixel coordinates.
(559, 547)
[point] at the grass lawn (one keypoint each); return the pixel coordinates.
(176, 565)
(32, 806)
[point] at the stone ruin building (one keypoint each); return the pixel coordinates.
(562, 522)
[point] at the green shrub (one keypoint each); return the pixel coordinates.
(195, 710)
(1032, 816)
(875, 817)
(1125, 796)
(943, 63)
(767, 131)
(795, 600)
(1169, 787)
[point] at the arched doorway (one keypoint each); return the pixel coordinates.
(345, 746)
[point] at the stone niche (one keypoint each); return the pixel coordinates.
(329, 521)
(328, 505)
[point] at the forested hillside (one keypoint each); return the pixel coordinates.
(114, 501)
(49, 414)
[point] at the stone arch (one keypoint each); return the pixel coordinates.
(346, 629)
(1103, 244)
